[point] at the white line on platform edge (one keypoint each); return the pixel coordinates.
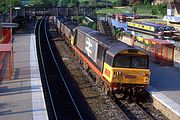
(172, 105)
(38, 103)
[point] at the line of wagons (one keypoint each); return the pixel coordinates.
(116, 66)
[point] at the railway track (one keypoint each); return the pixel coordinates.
(140, 109)
(132, 110)
(59, 99)
(101, 106)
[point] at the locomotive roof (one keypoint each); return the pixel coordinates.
(114, 46)
(106, 41)
(119, 48)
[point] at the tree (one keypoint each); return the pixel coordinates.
(135, 2)
(6, 4)
(162, 8)
(122, 2)
(73, 3)
(37, 2)
(93, 3)
(65, 2)
(146, 2)
(44, 2)
(85, 3)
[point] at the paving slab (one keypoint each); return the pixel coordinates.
(22, 98)
(165, 88)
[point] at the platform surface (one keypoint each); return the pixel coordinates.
(22, 97)
(165, 86)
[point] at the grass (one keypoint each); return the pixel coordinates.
(147, 11)
(111, 10)
(144, 11)
(122, 10)
(107, 0)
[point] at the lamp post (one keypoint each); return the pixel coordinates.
(10, 20)
(25, 10)
(17, 8)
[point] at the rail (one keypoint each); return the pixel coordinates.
(56, 92)
(59, 71)
(43, 65)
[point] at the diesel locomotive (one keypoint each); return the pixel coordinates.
(116, 66)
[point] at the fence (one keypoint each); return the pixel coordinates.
(6, 61)
(6, 33)
(161, 51)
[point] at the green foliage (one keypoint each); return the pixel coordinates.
(84, 22)
(92, 25)
(5, 5)
(116, 3)
(122, 3)
(93, 2)
(134, 3)
(109, 10)
(86, 3)
(146, 2)
(154, 10)
(49, 3)
(65, 2)
(162, 8)
(73, 3)
(143, 9)
(37, 2)
(159, 9)
(134, 9)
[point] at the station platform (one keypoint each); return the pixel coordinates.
(165, 89)
(22, 98)
(164, 85)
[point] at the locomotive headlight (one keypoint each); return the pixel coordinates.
(146, 78)
(117, 74)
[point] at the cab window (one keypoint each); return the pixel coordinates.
(139, 62)
(130, 61)
(122, 61)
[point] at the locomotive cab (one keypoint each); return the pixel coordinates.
(128, 68)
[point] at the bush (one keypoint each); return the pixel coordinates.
(92, 25)
(159, 9)
(154, 10)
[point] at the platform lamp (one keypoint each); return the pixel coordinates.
(17, 8)
(25, 6)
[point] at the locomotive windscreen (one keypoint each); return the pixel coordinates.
(130, 61)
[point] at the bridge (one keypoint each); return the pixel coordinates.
(53, 11)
